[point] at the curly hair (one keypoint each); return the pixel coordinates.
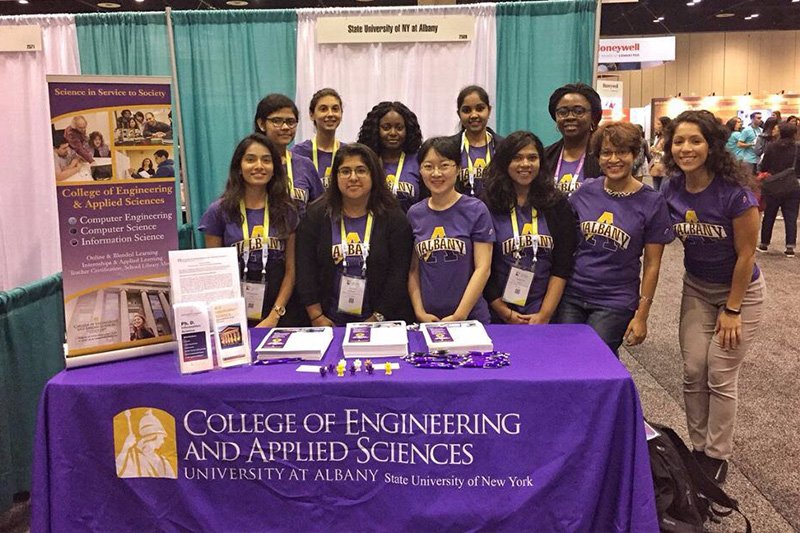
(96, 135)
(719, 161)
(620, 135)
(381, 199)
(280, 203)
(582, 89)
(369, 134)
(498, 190)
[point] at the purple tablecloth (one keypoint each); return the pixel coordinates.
(552, 443)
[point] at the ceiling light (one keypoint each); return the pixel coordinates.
(689, 3)
(23, 2)
(108, 5)
(659, 19)
(754, 15)
(724, 15)
(237, 3)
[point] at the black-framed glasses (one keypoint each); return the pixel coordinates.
(577, 111)
(346, 172)
(280, 121)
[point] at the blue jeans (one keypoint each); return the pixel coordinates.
(610, 324)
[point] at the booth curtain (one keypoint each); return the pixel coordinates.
(227, 61)
(425, 76)
(541, 46)
(29, 244)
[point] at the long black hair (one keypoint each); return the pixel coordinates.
(369, 134)
(498, 190)
(280, 203)
(380, 200)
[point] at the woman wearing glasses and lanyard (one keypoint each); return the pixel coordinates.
(476, 139)
(276, 117)
(392, 131)
(577, 110)
(256, 215)
(326, 114)
(536, 233)
(453, 236)
(354, 247)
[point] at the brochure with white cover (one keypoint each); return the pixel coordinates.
(469, 335)
(309, 343)
(375, 339)
(204, 275)
(229, 323)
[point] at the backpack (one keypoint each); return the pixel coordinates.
(684, 493)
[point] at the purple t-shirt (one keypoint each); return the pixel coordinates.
(566, 181)
(443, 241)
(408, 186)
(704, 222)
(352, 255)
(503, 257)
(479, 162)
(307, 186)
(613, 232)
(324, 160)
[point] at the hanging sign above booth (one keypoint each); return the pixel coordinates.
(395, 29)
(21, 38)
(637, 50)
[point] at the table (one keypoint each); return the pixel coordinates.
(553, 442)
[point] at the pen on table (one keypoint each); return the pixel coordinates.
(278, 361)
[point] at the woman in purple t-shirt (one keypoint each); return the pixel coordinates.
(326, 111)
(453, 236)
(716, 217)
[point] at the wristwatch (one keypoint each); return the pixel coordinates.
(378, 317)
(281, 310)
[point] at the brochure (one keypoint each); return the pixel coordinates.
(375, 339)
(458, 337)
(309, 344)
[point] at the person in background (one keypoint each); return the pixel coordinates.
(747, 142)
(326, 111)
(166, 166)
(98, 145)
(642, 161)
(768, 134)
(620, 218)
(256, 215)
(577, 110)
(715, 215)
(154, 129)
(139, 117)
(66, 162)
(139, 329)
(536, 233)
(392, 131)
(476, 138)
(780, 155)
(777, 115)
(78, 140)
(657, 170)
(276, 117)
(453, 237)
(146, 170)
(354, 247)
(734, 126)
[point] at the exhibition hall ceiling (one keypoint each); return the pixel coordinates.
(629, 18)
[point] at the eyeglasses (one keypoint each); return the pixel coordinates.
(280, 121)
(360, 172)
(577, 111)
(607, 154)
(429, 168)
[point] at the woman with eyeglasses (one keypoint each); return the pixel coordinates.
(354, 247)
(476, 139)
(276, 117)
(256, 215)
(619, 219)
(453, 236)
(536, 233)
(325, 110)
(392, 131)
(577, 110)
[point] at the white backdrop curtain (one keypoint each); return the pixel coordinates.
(29, 244)
(424, 76)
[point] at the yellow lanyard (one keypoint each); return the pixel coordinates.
(314, 152)
(396, 181)
(465, 147)
(264, 238)
(364, 244)
(289, 171)
(534, 232)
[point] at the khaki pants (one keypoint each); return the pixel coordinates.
(711, 374)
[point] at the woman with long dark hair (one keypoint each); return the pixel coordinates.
(256, 215)
(536, 233)
(354, 246)
(392, 131)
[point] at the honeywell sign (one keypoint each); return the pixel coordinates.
(637, 50)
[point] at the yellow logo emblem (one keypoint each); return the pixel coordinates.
(144, 443)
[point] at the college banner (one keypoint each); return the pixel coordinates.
(115, 181)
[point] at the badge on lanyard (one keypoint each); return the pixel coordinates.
(471, 170)
(572, 182)
(393, 180)
(254, 291)
(352, 288)
(520, 278)
(326, 177)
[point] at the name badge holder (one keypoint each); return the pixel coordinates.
(254, 291)
(573, 182)
(353, 288)
(520, 277)
(326, 177)
(471, 170)
(394, 181)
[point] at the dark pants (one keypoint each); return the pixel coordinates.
(789, 206)
(610, 324)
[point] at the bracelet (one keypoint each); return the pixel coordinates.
(646, 298)
(316, 317)
(735, 312)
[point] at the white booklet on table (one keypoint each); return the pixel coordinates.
(458, 337)
(308, 343)
(375, 339)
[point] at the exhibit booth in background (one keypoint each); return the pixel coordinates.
(222, 63)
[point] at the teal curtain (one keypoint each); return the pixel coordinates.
(227, 61)
(31, 352)
(540, 46)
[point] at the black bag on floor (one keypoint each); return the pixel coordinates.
(685, 496)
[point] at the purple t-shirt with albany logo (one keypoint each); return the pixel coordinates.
(478, 155)
(352, 253)
(503, 256)
(704, 222)
(613, 232)
(306, 187)
(566, 181)
(444, 241)
(408, 187)
(324, 160)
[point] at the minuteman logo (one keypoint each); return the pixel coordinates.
(604, 227)
(440, 242)
(352, 248)
(694, 228)
(144, 443)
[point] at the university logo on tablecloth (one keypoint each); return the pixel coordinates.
(144, 443)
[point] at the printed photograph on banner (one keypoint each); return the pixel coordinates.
(81, 148)
(144, 443)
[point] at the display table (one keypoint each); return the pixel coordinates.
(554, 442)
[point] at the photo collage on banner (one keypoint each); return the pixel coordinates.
(115, 180)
